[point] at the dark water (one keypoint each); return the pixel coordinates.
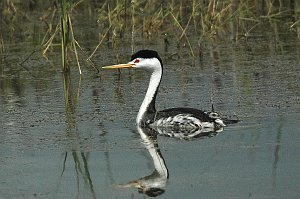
(91, 148)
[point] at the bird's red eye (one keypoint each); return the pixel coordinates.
(136, 61)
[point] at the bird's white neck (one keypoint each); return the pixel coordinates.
(149, 100)
(152, 146)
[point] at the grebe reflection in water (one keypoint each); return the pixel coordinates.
(155, 184)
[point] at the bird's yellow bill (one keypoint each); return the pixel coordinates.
(119, 66)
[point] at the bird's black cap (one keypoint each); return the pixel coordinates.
(146, 54)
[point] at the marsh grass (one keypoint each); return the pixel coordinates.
(127, 22)
(68, 41)
(64, 30)
(233, 19)
(1, 45)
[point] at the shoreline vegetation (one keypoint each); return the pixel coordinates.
(57, 23)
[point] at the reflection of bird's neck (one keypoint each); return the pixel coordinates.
(148, 105)
(158, 160)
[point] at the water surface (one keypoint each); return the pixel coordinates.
(90, 146)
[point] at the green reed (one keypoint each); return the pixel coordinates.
(67, 34)
(1, 45)
(65, 31)
(130, 21)
(208, 19)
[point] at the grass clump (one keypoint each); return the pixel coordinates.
(66, 33)
(128, 22)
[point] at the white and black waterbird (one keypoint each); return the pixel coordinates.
(179, 118)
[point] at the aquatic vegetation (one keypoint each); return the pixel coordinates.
(133, 22)
(207, 16)
(68, 40)
(232, 19)
(1, 45)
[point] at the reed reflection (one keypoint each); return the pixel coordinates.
(78, 157)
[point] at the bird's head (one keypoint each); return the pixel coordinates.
(143, 59)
